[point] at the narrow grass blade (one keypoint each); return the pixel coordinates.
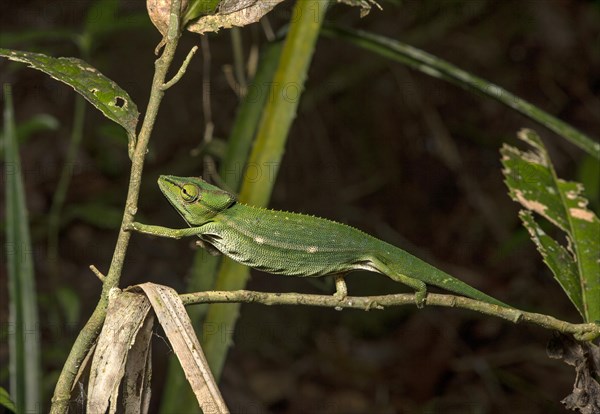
(438, 68)
(248, 117)
(24, 337)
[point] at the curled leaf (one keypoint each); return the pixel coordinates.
(159, 12)
(232, 13)
(365, 5)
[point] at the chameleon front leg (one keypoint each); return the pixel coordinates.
(164, 231)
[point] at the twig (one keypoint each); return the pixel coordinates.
(181, 70)
(98, 273)
(87, 336)
(581, 331)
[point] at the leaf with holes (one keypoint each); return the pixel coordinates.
(100, 91)
(533, 183)
(557, 258)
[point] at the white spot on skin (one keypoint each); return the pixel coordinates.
(259, 240)
(581, 214)
(312, 249)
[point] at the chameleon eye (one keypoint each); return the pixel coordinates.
(190, 193)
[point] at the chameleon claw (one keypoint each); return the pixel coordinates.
(372, 304)
(130, 227)
(420, 298)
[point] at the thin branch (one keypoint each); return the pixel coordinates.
(582, 331)
(89, 333)
(98, 273)
(181, 70)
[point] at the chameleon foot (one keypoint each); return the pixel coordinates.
(420, 297)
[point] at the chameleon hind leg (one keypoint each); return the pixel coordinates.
(341, 290)
(418, 285)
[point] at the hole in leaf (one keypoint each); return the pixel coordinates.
(119, 102)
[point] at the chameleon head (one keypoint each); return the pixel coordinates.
(196, 200)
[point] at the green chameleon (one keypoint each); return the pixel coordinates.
(290, 243)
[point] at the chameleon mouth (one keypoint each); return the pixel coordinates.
(167, 185)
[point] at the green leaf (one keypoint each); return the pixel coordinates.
(24, 346)
(100, 91)
(5, 400)
(557, 258)
(533, 183)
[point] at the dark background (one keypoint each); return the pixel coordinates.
(367, 148)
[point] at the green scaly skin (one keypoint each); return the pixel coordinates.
(292, 244)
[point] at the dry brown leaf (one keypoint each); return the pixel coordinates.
(138, 371)
(177, 325)
(233, 14)
(124, 317)
(159, 12)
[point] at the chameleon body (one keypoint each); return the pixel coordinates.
(290, 243)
